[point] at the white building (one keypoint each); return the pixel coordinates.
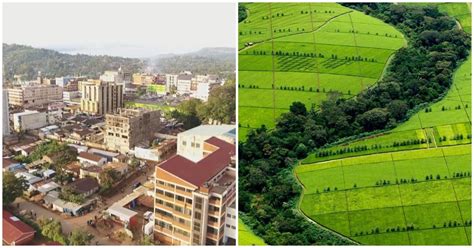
(202, 91)
(29, 120)
(69, 95)
(184, 84)
(171, 81)
(63, 81)
(6, 114)
(110, 76)
(88, 159)
(230, 229)
(191, 142)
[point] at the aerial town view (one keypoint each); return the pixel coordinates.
(127, 140)
(354, 123)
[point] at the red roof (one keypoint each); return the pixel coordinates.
(90, 156)
(15, 230)
(7, 162)
(202, 171)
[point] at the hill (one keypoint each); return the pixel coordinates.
(26, 60)
(212, 60)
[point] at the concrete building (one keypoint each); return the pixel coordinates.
(88, 159)
(171, 82)
(191, 198)
(29, 120)
(34, 95)
(6, 114)
(70, 95)
(158, 152)
(64, 81)
(183, 84)
(99, 98)
(130, 127)
(143, 78)
(230, 230)
(191, 142)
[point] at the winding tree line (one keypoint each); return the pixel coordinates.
(418, 74)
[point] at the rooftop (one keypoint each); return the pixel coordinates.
(84, 185)
(89, 156)
(198, 173)
(210, 130)
(14, 229)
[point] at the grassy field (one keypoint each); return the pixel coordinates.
(247, 237)
(301, 51)
(423, 197)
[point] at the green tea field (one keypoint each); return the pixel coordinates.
(417, 197)
(247, 237)
(407, 186)
(302, 51)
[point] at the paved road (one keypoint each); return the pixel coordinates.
(69, 223)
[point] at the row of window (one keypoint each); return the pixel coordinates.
(193, 144)
(176, 197)
(175, 218)
(177, 187)
(176, 208)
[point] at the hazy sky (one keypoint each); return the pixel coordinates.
(121, 29)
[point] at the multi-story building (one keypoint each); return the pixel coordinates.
(183, 84)
(130, 127)
(191, 198)
(29, 120)
(6, 114)
(143, 78)
(99, 98)
(64, 81)
(34, 95)
(191, 142)
(171, 82)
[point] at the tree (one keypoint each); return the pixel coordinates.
(301, 151)
(397, 109)
(147, 240)
(298, 108)
(220, 105)
(373, 119)
(108, 177)
(51, 228)
(80, 237)
(13, 187)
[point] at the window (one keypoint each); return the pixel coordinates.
(184, 143)
(198, 145)
(168, 194)
(179, 198)
(197, 215)
(197, 227)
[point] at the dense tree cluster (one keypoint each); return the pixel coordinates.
(418, 74)
(242, 12)
(26, 60)
(219, 107)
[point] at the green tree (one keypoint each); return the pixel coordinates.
(13, 187)
(147, 240)
(80, 237)
(108, 177)
(51, 228)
